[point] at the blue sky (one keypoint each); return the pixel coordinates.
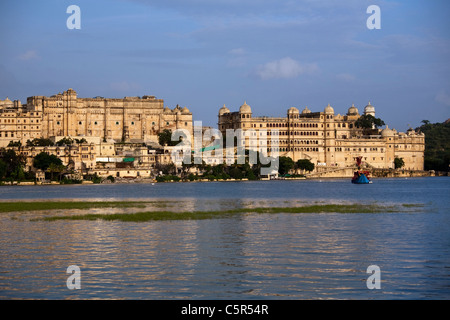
(273, 54)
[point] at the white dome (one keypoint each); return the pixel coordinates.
(352, 111)
(306, 110)
(293, 110)
(223, 110)
(387, 132)
(185, 110)
(329, 109)
(245, 108)
(369, 109)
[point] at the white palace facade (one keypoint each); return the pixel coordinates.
(329, 139)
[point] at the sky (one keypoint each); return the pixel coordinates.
(202, 54)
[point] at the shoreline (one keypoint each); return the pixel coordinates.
(153, 181)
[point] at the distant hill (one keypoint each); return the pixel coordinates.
(437, 145)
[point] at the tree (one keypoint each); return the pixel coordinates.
(398, 163)
(14, 144)
(65, 142)
(368, 121)
(284, 165)
(40, 142)
(305, 164)
(3, 169)
(14, 163)
(43, 161)
(165, 138)
(437, 145)
(56, 168)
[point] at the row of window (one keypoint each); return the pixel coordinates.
(300, 125)
(292, 149)
(295, 133)
(118, 123)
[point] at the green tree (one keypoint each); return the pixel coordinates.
(398, 163)
(165, 138)
(285, 164)
(80, 141)
(40, 142)
(65, 142)
(3, 169)
(14, 144)
(305, 164)
(56, 168)
(437, 145)
(14, 163)
(43, 161)
(368, 121)
(236, 173)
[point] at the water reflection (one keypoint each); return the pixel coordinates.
(246, 256)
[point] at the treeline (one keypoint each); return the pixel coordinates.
(13, 164)
(44, 142)
(437, 145)
(286, 168)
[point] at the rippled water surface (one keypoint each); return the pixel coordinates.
(246, 256)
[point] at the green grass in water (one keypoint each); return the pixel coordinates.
(198, 215)
(55, 205)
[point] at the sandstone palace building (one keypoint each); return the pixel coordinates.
(328, 139)
(65, 114)
(122, 134)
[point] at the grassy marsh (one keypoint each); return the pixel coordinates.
(210, 214)
(61, 205)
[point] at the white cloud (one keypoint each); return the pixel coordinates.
(443, 98)
(237, 51)
(29, 55)
(237, 57)
(284, 68)
(346, 77)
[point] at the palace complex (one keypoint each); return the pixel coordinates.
(329, 139)
(119, 137)
(64, 114)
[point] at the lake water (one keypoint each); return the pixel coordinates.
(246, 256)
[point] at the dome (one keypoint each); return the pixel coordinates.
(352, 111)
(245, 108)
(306, 110)
(329, 109)
(223, 110)
(387, 132)
(369, 109)
(293, 110)
(185, 110)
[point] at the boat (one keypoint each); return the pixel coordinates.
(361, 176)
